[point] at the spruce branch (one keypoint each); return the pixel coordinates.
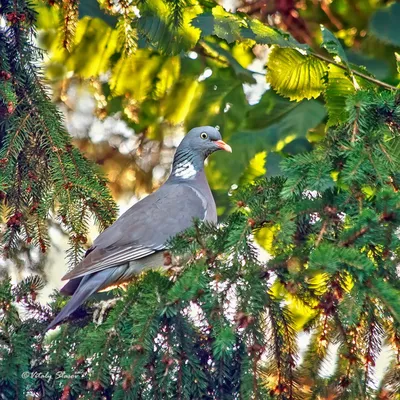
(361, 232)
(33, 139)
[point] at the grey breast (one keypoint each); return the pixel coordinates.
(200, 185)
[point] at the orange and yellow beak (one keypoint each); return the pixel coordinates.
(223, 146)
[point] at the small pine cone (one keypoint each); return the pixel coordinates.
(10, 107)
(279, 389)
(167, 258)
(65, 393)
(11, 221)
(344, 381)
(384, 395)
(217, 277)
(127, 383)
(294, 265)
(32, 176)
(255, 348)
(292, 287)
(82, 239)
(80, 361)
(168, 361)
(12, 17)
(251, 222)
(243, 320)
(369, 360)
(138, 348)
(97, 387)
(42, 245)
(5, 75)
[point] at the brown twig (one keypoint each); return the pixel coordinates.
(364, 230)
(354, 237)
(335, 21)
(360, 74)
(321, 233)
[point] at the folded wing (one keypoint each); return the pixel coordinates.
(143, 229)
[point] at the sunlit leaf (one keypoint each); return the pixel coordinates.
(93, 37)
(295, 75)
(264, 34)
(168, 76)
(242, 53)
(220, 23)
(47, 17)
(332, 45)
(244, 74)
(301, 312)
(255, 169)
(265, 237)
(339, 86)
(134, 74)
(397, 56)
(182, 96)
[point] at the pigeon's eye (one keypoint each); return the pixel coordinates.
(203, 135)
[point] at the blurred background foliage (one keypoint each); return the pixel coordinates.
(129, 100)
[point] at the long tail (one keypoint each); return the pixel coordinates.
(92, 283)
(88, 285)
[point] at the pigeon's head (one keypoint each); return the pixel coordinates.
(204, 140)
(196, 146)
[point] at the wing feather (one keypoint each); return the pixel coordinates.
(144, 228)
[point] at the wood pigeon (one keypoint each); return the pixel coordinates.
(137, 239)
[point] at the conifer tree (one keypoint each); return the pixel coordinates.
(40, 170)
(226, 325)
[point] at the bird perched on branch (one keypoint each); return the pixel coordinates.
(137, 240)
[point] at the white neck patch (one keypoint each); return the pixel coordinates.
(185, 170)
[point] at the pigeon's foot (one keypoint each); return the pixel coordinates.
(174, 271)
(173, 265)
(101, 309)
